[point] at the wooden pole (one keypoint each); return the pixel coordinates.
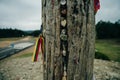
(69, 30)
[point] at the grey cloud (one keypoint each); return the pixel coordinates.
(23, 13)
(109, 11)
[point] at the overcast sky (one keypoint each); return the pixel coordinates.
(109, 10)
(26, 14)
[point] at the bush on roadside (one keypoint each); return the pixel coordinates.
(99, 55)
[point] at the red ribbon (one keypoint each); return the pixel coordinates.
(40, 47)
(96, 5)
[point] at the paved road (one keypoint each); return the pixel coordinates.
(14, 48)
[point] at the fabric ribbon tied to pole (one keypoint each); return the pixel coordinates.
(39, 47)
(96, 5)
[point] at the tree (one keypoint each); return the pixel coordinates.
(69, 31)
(108, 30)
(5, 33)
(36, 33)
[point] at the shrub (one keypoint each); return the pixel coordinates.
(99, 55)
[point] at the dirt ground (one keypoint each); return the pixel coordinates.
(5, 43)
(20, 69)
(24, 69)
(106, 70)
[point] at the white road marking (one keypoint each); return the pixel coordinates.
(22, 45)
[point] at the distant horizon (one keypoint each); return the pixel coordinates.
(10, 27)
(19, 29)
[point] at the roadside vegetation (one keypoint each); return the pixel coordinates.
(108, 49)
(12, 33)
(25, 55)
(108, 41)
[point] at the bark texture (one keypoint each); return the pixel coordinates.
(78, 41)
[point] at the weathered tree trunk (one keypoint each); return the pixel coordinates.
(69, 30)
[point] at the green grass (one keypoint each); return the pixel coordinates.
(25, 55)
(110, 48)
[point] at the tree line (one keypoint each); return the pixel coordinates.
(104, 30)
(108, 30)
(5, 33)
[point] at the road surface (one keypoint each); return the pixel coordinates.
(14, 48)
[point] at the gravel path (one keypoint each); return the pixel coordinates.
(106, 70)
(20, 69)
(25, 69)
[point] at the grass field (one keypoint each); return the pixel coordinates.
(26, 55)
(110, 48)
